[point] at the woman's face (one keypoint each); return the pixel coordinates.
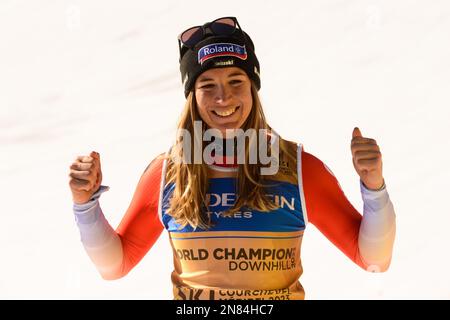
(224, 97)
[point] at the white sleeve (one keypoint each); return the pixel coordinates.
(101, 242)
(377, 231)
(94, 229)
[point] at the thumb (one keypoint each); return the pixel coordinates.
(95, 155)
(356, 133)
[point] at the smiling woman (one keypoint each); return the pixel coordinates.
(224, 98)
(236, 231)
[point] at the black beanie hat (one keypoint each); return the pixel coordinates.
(236, 50)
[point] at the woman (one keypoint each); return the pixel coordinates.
(235, 230)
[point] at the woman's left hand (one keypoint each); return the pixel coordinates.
(367, 160)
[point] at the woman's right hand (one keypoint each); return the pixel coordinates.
(85, 177)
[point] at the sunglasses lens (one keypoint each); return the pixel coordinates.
(191, 36)
(225, 26)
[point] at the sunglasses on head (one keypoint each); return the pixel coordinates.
(221, 27)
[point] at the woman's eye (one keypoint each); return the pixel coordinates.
(235, 82)
(208, 86)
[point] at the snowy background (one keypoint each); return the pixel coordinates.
(77, 76)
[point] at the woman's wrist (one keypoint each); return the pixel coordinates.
(383, 185)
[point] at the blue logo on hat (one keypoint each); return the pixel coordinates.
(221, 50)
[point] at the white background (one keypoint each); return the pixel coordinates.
(77, 76)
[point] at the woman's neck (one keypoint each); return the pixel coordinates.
(224, 159)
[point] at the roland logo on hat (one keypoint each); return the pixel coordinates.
(221, 50)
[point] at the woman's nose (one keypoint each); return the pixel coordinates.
(223, 94)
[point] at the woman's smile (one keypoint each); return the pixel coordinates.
(225, 112)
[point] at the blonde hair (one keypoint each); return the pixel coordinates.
(189, 201)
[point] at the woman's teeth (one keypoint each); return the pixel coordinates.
(226, 113)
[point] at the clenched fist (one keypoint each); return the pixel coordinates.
(85, 177)
(367, 160)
